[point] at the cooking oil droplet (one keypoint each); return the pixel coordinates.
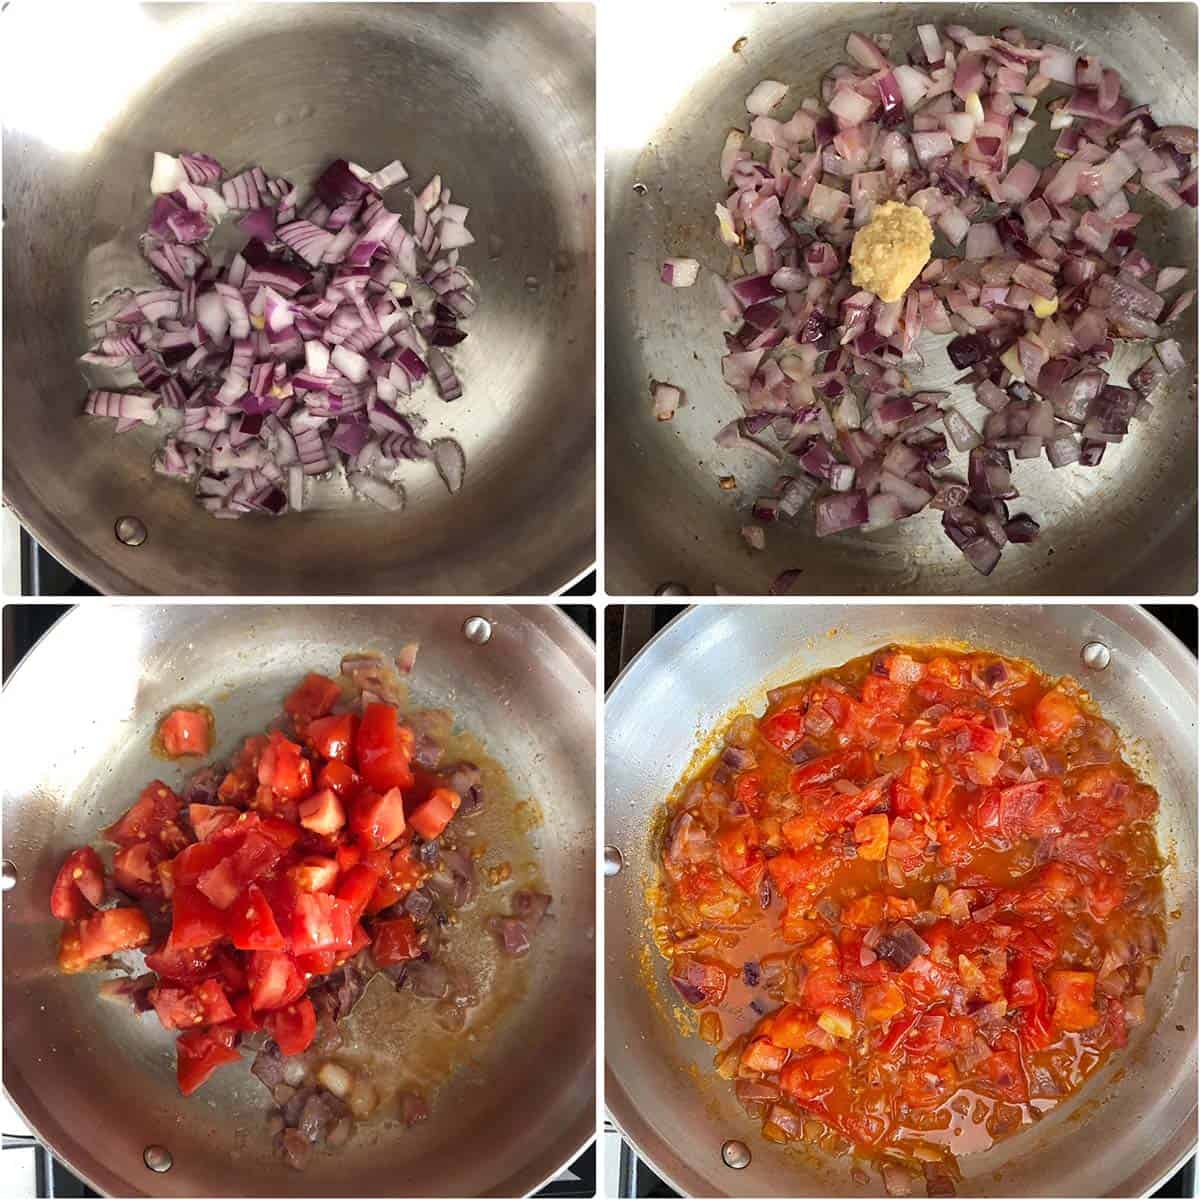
(531, 283)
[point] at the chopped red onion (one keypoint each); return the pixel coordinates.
(680, 272)
(323, 349)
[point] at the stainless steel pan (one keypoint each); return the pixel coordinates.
(1128, 1128)
(1128, 526)
(97, 1083)
(497, 97)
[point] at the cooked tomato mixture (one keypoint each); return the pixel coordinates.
(266, 895)
(916, 903)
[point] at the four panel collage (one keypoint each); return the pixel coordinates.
(600, 599)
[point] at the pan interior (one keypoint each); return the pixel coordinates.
(97, 1082)
(1126, 526)
(1127, 1128)
(498, 98)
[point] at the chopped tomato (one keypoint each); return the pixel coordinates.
(243, 1018)
(200, 1052)
(825, 988)
(135, 869)
(790, 1028)
(283, 769)
(314, 697)
(208, 819)
(252, 924)
(293, 1027)
(112, 930)
(871, 837)
(339, 779)
(356, 887)
(378, 820)
(185, 731)
(333, 737)
(177, 1008)
(79, 886)
(396, 941)
(152, 818)
(321, 922)
(322, 812)
(1055, 715)
(195, 920)
(274, 980)
(384, 749)
(883, 1002)
(70, 950)
(1074, 995)
(188, 966)
(315, 873)
(783, 730)
(1006, 1074)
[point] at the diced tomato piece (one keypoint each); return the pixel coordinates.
(883, 1002)
(802, 830)
(811, 1077)
(761, 1054)
(333, 737)
(864, 911)
(208, 819)
(252, 924)
(315, 874)
(1074, 995)
(274, 980)
(871, 837)
(243, 1013)
(384, 749)
(1055, 715)
(316, 962)
(359, 941)
(897, 1032)
(79, 886)
(379, 820)
(192, 863)
(356, 887)
(283, 768)
(135, 869)
(195, 920)
(189, 966)
(177, 1008)
(70, 950)
(386, 894)
(321, 922)
(883, 694)
(151, 818)
(407, 872)
(789, 1028)
(783, 729)
(825, 988)
(396, 941)
(200, 1052)
(792, 870)
(748, 790)
(1005, 1072)
(314, 697)
(737, 849)
(339, 779)
(293, 1027)
(322, 812)
(253, 858)
(112, 930)
(185, 731)
(283, 833)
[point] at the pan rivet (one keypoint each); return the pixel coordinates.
(670, 589)
(158, 1158)
(130, 530)
(1096, 656)
(8, 874)
(735, 1154)
(477, 630)
(613, 862)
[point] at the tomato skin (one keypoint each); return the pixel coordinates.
(185, 732)
(430, 818)
(334, 737)
(79, 885)
(313, 697)
(252, 924)
(396, 941)
(274, 980)
(293, 1027)
(112, 930)
(199, 1053)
